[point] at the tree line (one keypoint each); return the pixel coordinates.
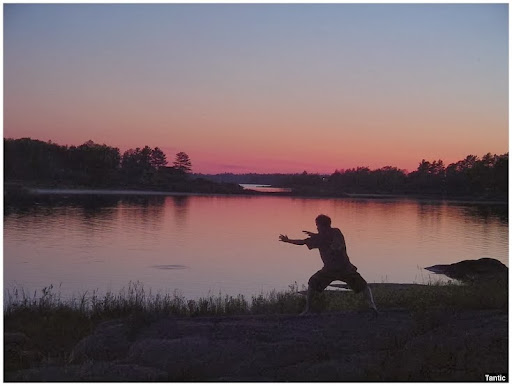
(95, 165)
(485, 177)
(91, 165)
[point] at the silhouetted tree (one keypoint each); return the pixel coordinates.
(94, 164)
(158, 158)
(429, 178)
(500, 172)
(389, 179)
(182, 162)
(136, 166)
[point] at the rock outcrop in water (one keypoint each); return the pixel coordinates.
(472, 270)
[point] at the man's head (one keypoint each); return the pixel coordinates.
(323, 222)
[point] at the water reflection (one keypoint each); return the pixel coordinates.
(202, 244)
(42, 204)
(486, 212)
(181, 204)
(143, 201)
(143, 212)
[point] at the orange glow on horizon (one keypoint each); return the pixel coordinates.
(320, 88)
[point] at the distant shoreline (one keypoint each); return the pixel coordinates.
(247, 192)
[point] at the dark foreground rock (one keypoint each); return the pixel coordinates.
(398, 345)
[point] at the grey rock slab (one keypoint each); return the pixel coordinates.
(188, 358)
(15, 338)
(90, 372)
(108, 342)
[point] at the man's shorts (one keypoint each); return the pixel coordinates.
(320, 280)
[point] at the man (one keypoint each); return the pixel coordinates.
(337, 266)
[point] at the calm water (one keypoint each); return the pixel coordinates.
(204, 245)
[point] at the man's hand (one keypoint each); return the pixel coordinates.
(284, 238)
(310, 233)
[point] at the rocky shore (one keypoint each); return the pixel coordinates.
(398, 345)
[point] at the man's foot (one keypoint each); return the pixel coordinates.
(373, 313)
(305, 312)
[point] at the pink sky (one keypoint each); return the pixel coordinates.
(263, 88)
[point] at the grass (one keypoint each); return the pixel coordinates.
(55, 325)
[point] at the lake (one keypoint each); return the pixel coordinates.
(201, 245)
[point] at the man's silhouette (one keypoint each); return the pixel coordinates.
(337, 266)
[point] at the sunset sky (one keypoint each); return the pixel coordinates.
(262, 87)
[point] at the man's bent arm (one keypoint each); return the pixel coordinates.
(285, 239)
(296, 242)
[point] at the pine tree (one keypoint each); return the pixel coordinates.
(182, 162)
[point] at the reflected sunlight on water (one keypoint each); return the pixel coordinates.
(211, 244)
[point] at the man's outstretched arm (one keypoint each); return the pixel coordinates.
(285, 239)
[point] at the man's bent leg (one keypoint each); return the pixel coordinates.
(317, 283)
(309, 299)
(356, 282)
(369, 298)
